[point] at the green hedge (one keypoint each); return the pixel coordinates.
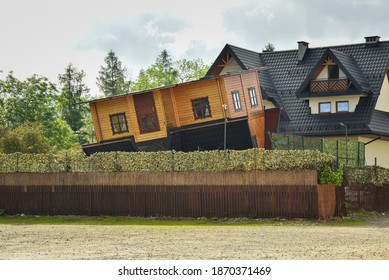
(253, 159)
(376, 175)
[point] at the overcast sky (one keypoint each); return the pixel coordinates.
(44, 36)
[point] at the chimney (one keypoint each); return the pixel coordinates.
(372, 39)
(302, 49)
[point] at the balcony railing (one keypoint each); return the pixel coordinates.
(331, 85)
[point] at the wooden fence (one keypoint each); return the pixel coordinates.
(138, 194)
(368, 197)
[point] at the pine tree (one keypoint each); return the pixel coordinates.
(72, 93)
(112, 77)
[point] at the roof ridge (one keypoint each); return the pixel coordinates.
(324, 47)
(233, 46)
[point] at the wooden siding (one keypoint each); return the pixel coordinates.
(161, 118)
(249, 80)
(168, 104)
(233, 83)
(109, 107)
(174, 106)
(101, 110)
(184, 94)
(96, 123)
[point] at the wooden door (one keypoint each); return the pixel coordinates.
(146, 112)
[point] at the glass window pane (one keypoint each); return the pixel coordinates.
(342, 106)
(325, 107)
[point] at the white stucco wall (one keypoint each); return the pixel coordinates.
(324, 74)
(268, 105)
(383, 99)
(378, 149)
(314, 102)
(232, 66)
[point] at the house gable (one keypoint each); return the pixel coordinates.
(227, 61)
(335, 73)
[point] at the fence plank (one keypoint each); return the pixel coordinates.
(187, 200)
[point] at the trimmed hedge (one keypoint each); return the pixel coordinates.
(253, 159)
(376, 175)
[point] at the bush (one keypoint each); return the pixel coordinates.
(253, 159)
(376, 175)
(328, 176)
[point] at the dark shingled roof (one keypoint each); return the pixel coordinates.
(364, 64)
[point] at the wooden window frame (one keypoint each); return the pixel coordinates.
(348, 106)
(206, 108)
(253, 97)
(236, 100)
(325, 113)
(119, 122)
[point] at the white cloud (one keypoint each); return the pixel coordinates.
(43, 36)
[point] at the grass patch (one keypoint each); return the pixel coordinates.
(168, 221)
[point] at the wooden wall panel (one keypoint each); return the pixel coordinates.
(233, 83)
(185, 93)
(96, 124)
(169, 109)
(108, 107)
(161, 118)
(257, 128)
(250, 79)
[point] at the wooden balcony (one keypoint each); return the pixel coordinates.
(331, 85)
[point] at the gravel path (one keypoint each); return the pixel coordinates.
(370, 241)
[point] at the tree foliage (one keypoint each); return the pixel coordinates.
(112, 77)
(33, 101)
(269, 47)
(27, 138)
(73, 92)
(164, 72)
(189, 70)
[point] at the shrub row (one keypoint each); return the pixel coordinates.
(376, 175)
(253, 159)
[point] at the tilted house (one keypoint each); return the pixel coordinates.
(185, 117)
(323, 91)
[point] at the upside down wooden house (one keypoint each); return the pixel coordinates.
(199, 115)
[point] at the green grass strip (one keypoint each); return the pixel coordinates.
(168, 221)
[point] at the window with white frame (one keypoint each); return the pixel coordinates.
(253, 97)
(236, 101)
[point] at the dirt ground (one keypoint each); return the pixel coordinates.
(306, 241)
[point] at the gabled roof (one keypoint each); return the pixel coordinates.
(364, 64)
(348, 66)
(246, 59)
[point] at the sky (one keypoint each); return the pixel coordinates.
(43, 36)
